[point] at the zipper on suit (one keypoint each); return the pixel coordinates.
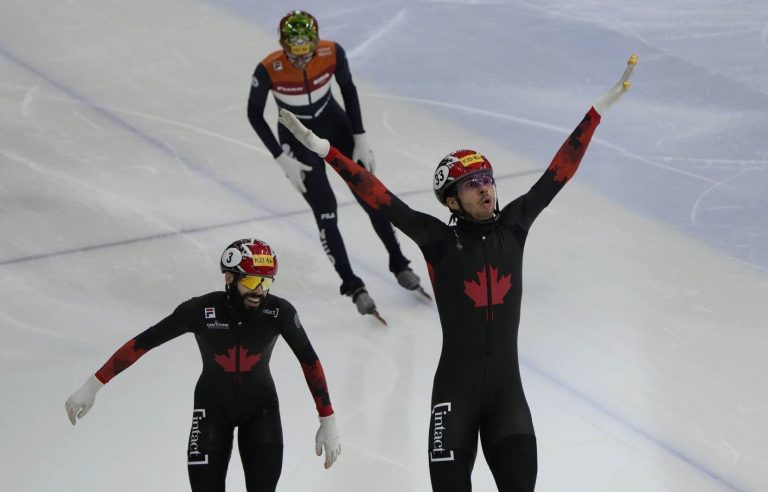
(489, 307)
(306, 86)
(237, 357)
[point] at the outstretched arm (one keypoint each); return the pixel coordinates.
(416, 225)
(81, 401)
(525, 209)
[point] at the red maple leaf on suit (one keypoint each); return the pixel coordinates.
(228, 361)
(477, 291)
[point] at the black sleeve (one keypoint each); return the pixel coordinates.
(257, 100)
(291, 329)
(348, 91)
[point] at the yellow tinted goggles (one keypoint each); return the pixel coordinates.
(251, 282)
(300, 49)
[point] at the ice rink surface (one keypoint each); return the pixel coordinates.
(127, 164)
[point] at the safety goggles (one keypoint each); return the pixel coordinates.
(300, 46)
(251, 282)
(476, 181)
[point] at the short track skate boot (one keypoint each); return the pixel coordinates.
(365, 304)
(409, 280)
(363, 301)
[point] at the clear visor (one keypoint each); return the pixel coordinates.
(477, 181)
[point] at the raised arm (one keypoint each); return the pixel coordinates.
(526, 208)
(417, 225)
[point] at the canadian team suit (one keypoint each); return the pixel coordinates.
(476, 274)
(235, 388)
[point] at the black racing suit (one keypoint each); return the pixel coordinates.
(307, 94)
(235, 388)
(476, 273)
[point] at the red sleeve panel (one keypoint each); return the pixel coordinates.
(426, 231)
(315, 377)
(120, 361)
(524, 210)
(168, 328)
(567, 159)
(364, 184)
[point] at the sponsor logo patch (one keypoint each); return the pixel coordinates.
(439, 416)
(286, 89)
(217, 326)
(322, 79)
(210, 313)
(471, 159)
(271, 312)
(263, 261)
(194, 455)
(277, 65)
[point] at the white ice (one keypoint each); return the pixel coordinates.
(127, 164)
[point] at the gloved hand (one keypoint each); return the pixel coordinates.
(319, 146)
(293, 169)
(613, 94)
(81, 401)
(328, 437)
(363, 153)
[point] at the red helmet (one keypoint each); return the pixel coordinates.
(455, 167)
(249, 257)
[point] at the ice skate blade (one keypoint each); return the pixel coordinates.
(423, 292)
(376, 315)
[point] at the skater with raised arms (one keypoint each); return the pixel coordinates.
(475, 264)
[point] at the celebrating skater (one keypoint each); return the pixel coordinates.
(475, 264)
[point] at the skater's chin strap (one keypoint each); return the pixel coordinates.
(463, 216)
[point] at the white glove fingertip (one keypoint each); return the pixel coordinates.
(319, 449)
(70, 413)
